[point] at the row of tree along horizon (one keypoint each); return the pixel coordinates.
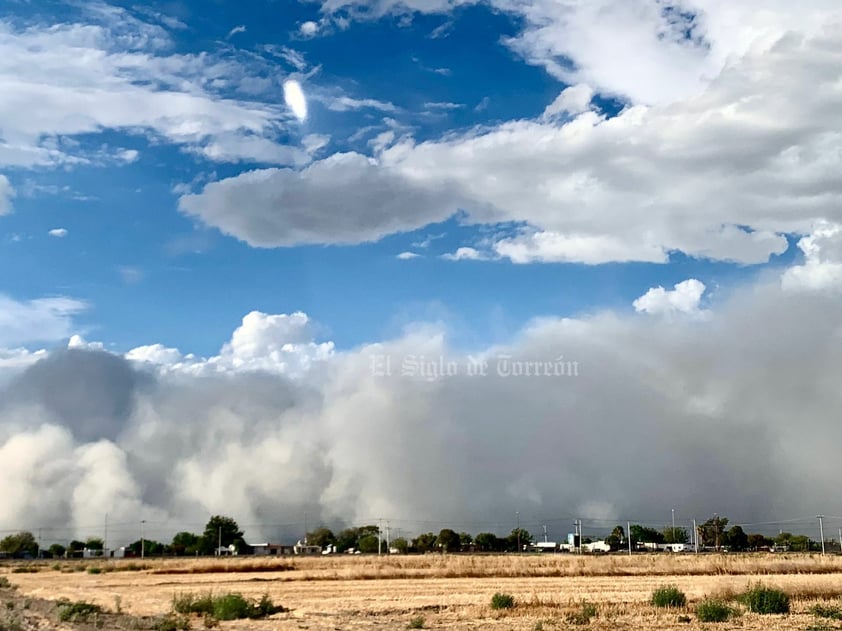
(221, 531)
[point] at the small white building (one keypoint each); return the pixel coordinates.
(304, 549)
(596, 546)
(270, 549)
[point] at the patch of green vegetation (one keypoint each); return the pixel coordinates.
(502, 601)
(4, 583)
(25, 569)
(583, 614)
(668, 596)
(713, 610)
(94, 570)
(77, 612)
(832, 612)
(226, 606)
(765, 600)
(416, 623)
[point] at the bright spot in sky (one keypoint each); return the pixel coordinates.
(295, 100)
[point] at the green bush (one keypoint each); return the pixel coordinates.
(4, 583)
(225, 607)
(668, 596)
(94, 570)
(582, 615)
(188, 603)
(713, 611)
(833, 612)
(765, 600)
(416, 623)
(502, 601)
(78, 611)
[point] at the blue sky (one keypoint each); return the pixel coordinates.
(149, 273)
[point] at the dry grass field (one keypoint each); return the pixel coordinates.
(452, 592)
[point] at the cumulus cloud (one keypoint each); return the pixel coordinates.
(822, 267)
(345, 198)
(59, 233)
(106, 434)
(407, 256)
(279, 344)
(589, 188)
(684, 298)
(465, 254)
(309, 28)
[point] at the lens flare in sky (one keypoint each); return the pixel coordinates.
(295, 99)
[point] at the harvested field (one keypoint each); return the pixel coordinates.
(452, 591)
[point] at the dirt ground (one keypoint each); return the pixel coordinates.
(327, 594)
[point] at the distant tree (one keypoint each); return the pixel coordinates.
(424, 543)
(800, 543)
(401, 545)
(518, 535)
(323, 537)
(369, 544)
(76, 546)
(617, 538)
(147, 547)
(185, 543)
(347, 539)
(487, 542)
(221, 529)
(20, 544)
(57, 550)
(644, 534)
(712, 532)
(676, 535)
(448, 541)
(757, 541)
(465, 539)
(736, 539)
(94, 543)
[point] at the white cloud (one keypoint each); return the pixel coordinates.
(6, 195)
(590, 189)
(309, 28)
(59, 233)
(684, 298)
(822, 267)
(39, 320)
(407, 256)
(347, 103)
(85, 78)
(465, 254)
(236, 30)
(573, 100)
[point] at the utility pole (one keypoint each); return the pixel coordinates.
(379, 537)
(821, 530)
(105, 537)
(628, 535)
(219, 546)
(545, 533)
(673, 525)
(305, 528)
(716, 531)
(696, 536)
(142, 545)
(840, 540)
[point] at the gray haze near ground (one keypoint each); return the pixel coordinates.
(734, 412)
